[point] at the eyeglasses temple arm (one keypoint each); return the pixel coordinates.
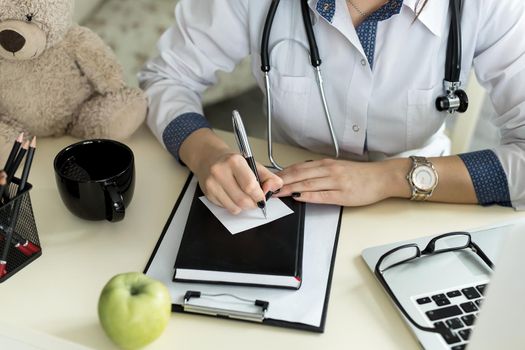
(385, 285)
(482, 255)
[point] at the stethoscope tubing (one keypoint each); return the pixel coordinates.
(316, 63)
(454, 54)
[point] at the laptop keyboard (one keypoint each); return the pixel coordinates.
(455, 311)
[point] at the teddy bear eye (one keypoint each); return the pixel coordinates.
(29, 17)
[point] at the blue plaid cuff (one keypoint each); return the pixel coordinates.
(180, 128)
(488, 177)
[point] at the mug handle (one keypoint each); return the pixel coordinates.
(117, 210)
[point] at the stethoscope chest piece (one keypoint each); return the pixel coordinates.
(456, 99)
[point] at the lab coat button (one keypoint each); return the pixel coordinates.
(363, 62)
(356, 128)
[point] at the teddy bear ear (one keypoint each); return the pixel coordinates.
(58, 17)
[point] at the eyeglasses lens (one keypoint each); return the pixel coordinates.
(452, 242)
(398, 257)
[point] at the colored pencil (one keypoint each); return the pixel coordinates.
(3, 182)
(14, 151)
(27, 166)
(11, 172)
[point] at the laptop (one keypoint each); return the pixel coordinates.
(480, 308)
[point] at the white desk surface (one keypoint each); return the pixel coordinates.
(58, 293)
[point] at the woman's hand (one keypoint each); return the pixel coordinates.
(227, 180)
(346, 183)
(224, 176)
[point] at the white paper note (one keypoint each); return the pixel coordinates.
(248, 219)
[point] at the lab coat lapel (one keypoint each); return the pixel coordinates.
(342, 22)
(433, 16)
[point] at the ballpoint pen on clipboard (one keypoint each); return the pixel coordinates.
(244, 147)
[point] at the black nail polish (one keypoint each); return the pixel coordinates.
(261, 205)
(296, 195)
(308, 161)
(269, 195)
(278, 191)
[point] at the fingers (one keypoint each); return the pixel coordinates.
(219, 197)
(270, 181)
(308, 170)
(247, 181)
(320, 197)
(233, 185)
(309, 185)
(312, 182)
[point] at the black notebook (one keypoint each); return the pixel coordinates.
(267, 256)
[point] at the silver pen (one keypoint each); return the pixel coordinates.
(244, 147)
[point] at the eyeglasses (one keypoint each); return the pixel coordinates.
(448, 242)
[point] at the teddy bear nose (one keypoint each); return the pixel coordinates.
(12, 41)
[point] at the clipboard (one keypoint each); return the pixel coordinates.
(304, 309)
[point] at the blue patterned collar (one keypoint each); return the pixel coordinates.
(326, 9)
(391, 8)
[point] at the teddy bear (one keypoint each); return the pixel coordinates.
(59, 78)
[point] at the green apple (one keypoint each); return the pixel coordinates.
(134, 310)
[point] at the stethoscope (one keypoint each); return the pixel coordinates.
(454, 100)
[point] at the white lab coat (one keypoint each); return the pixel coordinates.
(385, 112)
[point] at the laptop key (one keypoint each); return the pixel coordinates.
(465, 333)
(422, 301)
(481, 288)
(454, 323)
(444, 312)
(453, 294)
(470, 293)
(459, 347)
(438, 296)
(478, 302)
(468, 319)
(440, 300)
(469, 307)
(450, 337)
(440, 324)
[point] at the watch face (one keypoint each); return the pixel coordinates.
(424, 178)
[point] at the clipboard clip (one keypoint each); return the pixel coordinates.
(246, 309)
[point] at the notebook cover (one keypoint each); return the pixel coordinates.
(272, 249)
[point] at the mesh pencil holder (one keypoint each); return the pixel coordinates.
(17, 225)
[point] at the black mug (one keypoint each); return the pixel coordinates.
(96, 179)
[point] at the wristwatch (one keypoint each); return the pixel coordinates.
(423, 178)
